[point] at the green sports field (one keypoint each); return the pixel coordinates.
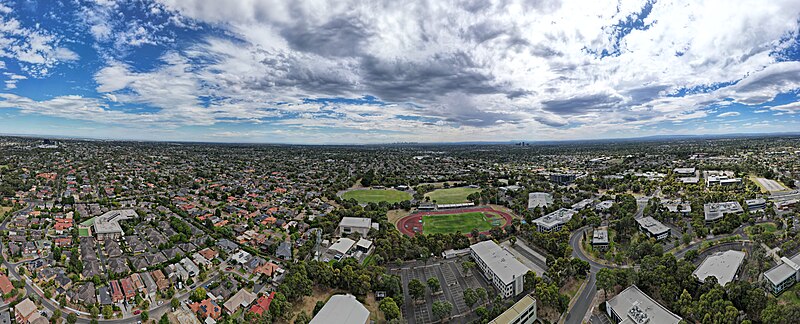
(451, 195)
(365, 196)
(464, 222)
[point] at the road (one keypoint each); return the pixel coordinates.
(155, 313)
(581, 306)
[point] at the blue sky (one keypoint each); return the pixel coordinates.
(386, 71)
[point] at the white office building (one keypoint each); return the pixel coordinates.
(653, 228)
(554, 221)
(539, 199)
(784, 275)
(359, 225)
(522, 312)
(632, 306)
(722, 265)
(715, 211)
(499, 267)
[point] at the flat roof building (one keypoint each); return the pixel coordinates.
(107, 226)
(600, 238)
(684, 170)
(500, 267)
(350, 225)
(522, 312)
(722, 265)
(653, 228)
(554, 221)
(342, 309)
(715, 211)
(756, 204)
(784, 275)
(632, 306)
(539, 199)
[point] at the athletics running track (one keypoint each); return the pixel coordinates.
(406, 224)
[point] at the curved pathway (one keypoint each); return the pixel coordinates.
(406, 224)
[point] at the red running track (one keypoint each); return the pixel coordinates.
(406, 224)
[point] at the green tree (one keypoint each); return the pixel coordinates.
(482, 295)
(470, 297)
(416, 289)
(164, 319)
(302, 318)
(606, 280)
(389, 308)
(198, 294)
(94, 311)
(144, 316)
(442, 309)
(175, 303)
(107, 311)
(433, 284)
(72, 318)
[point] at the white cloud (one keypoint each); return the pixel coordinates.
(729, 114)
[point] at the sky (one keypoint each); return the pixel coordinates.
(385, 71)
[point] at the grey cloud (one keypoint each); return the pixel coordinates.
(461, 109)
(338, 37)
(582, 104)
(550, 121)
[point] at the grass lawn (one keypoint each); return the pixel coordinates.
(767, 227)
(451, 195)
(790, 296)
(451, 223)
(365, 196)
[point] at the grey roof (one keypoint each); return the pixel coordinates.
(109, 222)
(103, 296)
(500, 261)
(652, 225)
(784, 270)
(634, 306)
(284, 250)
(342, 309)
(600, 236)
(539, 199)
(722, 265)
(358, 222)
(714, 211)
(558, 217)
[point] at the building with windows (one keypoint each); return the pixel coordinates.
(554, 221)
(522, 312)
(107, 226)
(784, 275)
(715, 211)
(756, 204)
(499, 267)
(600, 239)
(653, 228)
(359, 225)
(632, 306)
(722, 265)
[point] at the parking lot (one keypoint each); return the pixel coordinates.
(453, 282)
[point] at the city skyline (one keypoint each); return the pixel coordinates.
(360, 73)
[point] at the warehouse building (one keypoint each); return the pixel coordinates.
(722, 265)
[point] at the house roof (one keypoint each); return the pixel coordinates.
(242, 298)
(342, 309)
(26, 307)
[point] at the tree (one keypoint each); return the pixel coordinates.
(94, 311)
(470, 297)
(175, 303)
(56, 316)
(442, 309)
(691, 255)
(72, 318)
(482, 295)
(416, 289)
(606, 280)
(467, 266)
(512, 240)
(198, 294)
(164, 319)
(389, 308)
(433, 284)
(107, 311)
(318, 307)
(144, 316)
(302, 318)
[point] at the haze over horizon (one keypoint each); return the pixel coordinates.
(380, 72)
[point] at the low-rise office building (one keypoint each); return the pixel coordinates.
(499, 267)
(722, 265)
(600, 239)
(359, 225)
(632, 306)
(554, 221)
(715, 211)
(756, 204)
(522, 312)
(653, 228)
(784, 275)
